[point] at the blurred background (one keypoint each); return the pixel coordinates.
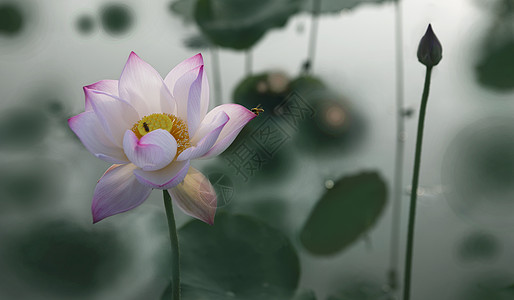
(310, 181)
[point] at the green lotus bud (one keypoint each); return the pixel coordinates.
(430, 51)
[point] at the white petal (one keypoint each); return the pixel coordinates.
(191, 91)
(196, 196)
(239, 117)
(206, 136)
(153, 151)
(194, 102)
(90, 132)
(181, 69)
(114, 114)
(143, 87)
(117, 191)
(106, 86)
(164, 178)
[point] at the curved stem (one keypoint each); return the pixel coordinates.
(399, 155)
(414, 191)
(175, 257)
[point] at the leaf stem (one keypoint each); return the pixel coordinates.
(218, 98)
(175, 256)
(316, 7)
(399, 154)
(248, 62)
(414, 191)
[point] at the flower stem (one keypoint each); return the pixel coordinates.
(414, 191)
(175, 257)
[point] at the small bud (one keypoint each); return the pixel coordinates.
(430, 51)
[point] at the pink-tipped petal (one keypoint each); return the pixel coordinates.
(114, 114)
(239, 117)
(106, 86)
(181, 69)
(164, 178)
(88, 129)
(153, 151)
(117, 191)
(196, 196)
(191, 92)
(206, 136)
(142, 86)
(194, 102)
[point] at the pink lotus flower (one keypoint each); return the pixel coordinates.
(151, 129)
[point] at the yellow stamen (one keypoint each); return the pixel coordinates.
(175, 126)
(153, 122)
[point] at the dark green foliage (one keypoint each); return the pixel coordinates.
(11, 19)
(116, 18)
(344, 213)
(239, 24)
(85, 24)
(62, 258)
(22, 127)
(237, 258)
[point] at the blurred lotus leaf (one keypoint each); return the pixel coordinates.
(30, 182)
(478, 246)
(238, 258)
(184, 9)
(262, 152)
(85, 24)
(334, 127)
(478, 172)
(305, 295)
(360, 290)
(198, 42)
(11, 19)
(22, 127)
(62, 258)
(490, 287)
(268, 90)
(496, 68)
(239, 24)
(344, 213)
(116, 18)
(335, 6)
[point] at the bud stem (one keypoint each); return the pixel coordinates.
(175, 257)
(414, 191)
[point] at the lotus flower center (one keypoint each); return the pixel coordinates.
(174, 125)
(153, 122)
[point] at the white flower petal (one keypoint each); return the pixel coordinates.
(117, 191)
(153, 151)
(90, 132)
(191, 91)
(206, 136)
(196, 196)
(194, 102)
(239, 117)
(164, 178)
(143, 87)
(181, 69)
(115, 115)
(106, 86)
